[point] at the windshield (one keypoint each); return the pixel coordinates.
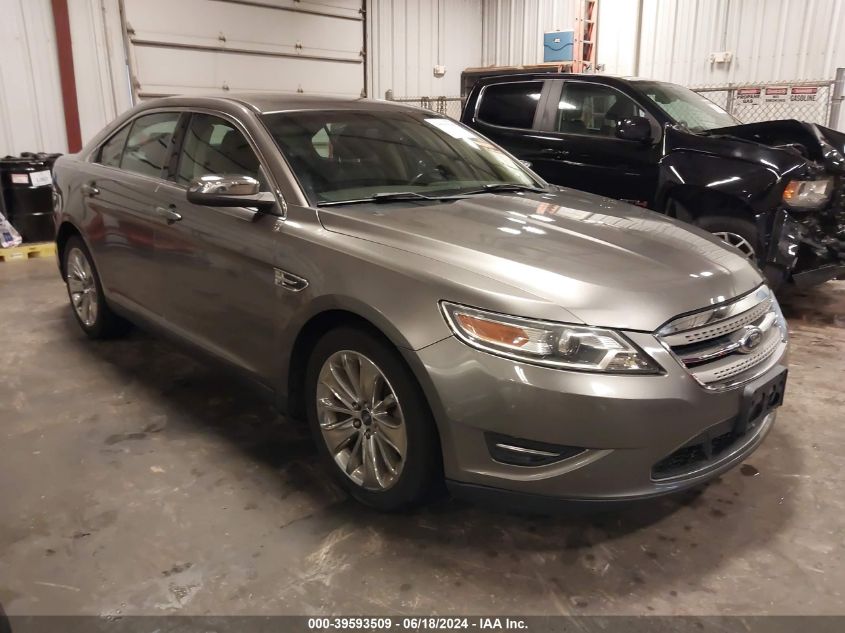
(349, 155)
(686, 107)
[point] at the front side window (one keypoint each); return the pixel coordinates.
(593, 109)
(212, 145)
(510, 105)
(686, 107)
(149, 143)
(112, 150)
(351, 155)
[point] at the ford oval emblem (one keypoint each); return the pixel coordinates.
(751, 339)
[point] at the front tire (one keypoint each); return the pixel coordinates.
(85, 292)
(370, 420)
(738, 232)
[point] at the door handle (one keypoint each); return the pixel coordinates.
(89, 189)
(169, 214)
(550, 152)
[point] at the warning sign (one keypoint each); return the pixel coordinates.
(776, 94)
(804, 93)
(749, 96)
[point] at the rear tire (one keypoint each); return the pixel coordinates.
(738, 232)
(370, 420)
(86, 293)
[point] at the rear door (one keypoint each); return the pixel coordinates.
(581, 149)
(217, 263)
(120, 218)
(508, 113)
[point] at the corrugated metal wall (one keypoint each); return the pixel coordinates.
(771, 40)
(406, 38)
(31, 113)
(102, 81)
(513, 29)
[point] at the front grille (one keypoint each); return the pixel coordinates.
(730, 343)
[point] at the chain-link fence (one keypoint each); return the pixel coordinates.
(802, 100)
(449, 106)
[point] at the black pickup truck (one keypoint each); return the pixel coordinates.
(775, 190)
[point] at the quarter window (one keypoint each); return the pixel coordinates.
(112, 150)
(511, 104)
(593, 109)
(149, 143)
(214, 146)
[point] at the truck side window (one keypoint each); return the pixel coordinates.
(511, 104)
(593, 109)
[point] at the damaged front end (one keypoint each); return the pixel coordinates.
(813, 198)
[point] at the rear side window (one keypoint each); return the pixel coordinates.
(112, 150)
(511, 105)
(148, 144)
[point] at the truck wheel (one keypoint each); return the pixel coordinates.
(370, 420)
(739, 233)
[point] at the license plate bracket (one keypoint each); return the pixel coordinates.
(760, 400)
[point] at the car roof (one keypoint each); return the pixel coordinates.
(266, 102)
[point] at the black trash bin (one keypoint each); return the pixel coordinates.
(27, 187)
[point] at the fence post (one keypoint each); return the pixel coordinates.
(729, 99)
(836, 100)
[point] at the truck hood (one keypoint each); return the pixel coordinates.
(788, 142)
(606, 262)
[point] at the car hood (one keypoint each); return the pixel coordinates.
(606, 262)
(786, 143)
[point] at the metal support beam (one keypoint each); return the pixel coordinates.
(67, 76)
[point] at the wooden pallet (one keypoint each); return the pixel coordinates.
(28, 251)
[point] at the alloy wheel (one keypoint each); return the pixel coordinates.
(82, 287)
(738, 242)
(361, 420)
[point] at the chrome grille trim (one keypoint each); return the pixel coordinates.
(716, 313)
(720, 328)
(728, 361)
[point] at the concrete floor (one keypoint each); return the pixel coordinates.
(134, 480)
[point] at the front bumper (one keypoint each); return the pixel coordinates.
(626, 425)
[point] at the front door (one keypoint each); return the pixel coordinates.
(582, 151)
(218, 263)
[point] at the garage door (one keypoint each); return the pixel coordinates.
(202, 46)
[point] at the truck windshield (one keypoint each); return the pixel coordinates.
(353, 155)
(686, 107)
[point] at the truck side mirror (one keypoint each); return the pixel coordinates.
(635, 128)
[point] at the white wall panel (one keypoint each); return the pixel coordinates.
(771, 40)
(31, 112)
(513, 29)
(102, 80)
(406, 38)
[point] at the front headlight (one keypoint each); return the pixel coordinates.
(546, 343)
(807, 194)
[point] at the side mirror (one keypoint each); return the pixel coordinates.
(635, 128)
(229, 191)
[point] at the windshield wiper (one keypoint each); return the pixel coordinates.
(390, 196)
(505, 187)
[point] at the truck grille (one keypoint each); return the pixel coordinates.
(728, 344)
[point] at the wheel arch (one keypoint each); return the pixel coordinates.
(690, 202)
(66, 230)
(330, 315)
